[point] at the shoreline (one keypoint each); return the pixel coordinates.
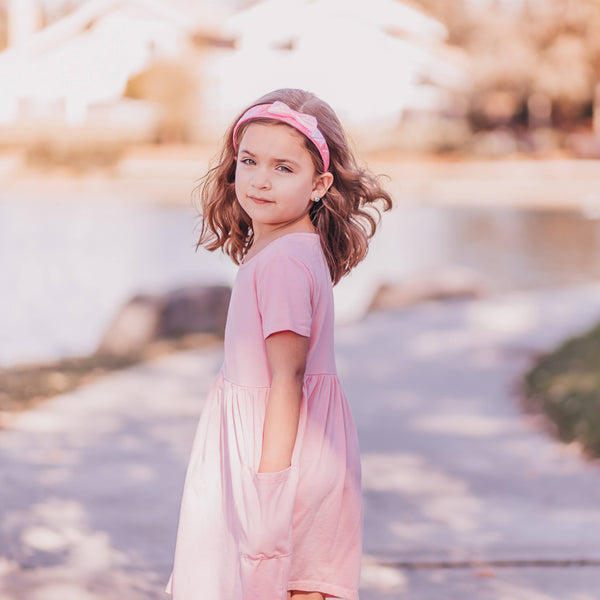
(167, 175)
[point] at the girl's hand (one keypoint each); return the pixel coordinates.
(286, 353)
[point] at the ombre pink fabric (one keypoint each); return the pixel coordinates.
(245, 535)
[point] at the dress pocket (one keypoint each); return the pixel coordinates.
(268, 498)
(266, 532)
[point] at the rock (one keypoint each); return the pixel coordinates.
(447, 284)
(148, 317)
(136, 324)
(199, 309)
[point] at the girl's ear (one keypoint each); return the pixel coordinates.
(322, 183)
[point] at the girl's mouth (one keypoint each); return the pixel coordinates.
(260, 200)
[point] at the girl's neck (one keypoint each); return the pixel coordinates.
(265, 235)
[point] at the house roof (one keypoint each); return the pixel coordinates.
(282, 20)
(369, 60)
(86, 14)
(89, 55)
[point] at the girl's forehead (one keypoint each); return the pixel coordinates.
(272, 135)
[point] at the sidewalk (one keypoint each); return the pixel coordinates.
(454, 474)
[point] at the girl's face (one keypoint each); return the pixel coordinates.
(275, 179)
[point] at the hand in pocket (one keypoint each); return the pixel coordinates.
(268, 500)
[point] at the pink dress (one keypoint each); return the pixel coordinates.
(245, 535)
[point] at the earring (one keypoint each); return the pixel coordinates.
(317, 199)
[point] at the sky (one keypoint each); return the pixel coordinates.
(509, 4)
(54, 4)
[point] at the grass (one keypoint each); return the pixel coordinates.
(24, 386)
(565, 386)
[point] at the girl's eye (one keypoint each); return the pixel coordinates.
(284, 169)
(247, 161)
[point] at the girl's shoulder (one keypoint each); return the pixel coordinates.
(290, 259)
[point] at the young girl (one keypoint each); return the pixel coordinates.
(271, 506)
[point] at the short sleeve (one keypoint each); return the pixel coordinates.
(284, 292)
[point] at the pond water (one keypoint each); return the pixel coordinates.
(66, 266)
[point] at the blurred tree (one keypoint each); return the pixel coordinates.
(547, 54)
(567, 36)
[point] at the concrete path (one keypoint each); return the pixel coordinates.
(465, 497)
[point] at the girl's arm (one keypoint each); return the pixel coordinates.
(286, 353)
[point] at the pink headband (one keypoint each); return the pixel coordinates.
(304, 123)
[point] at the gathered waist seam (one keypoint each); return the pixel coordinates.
(259, 387)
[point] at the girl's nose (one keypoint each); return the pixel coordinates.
(260, 179)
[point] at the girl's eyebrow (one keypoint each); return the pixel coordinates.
(285, 160)
(275, 160)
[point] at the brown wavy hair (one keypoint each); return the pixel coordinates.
(345, 218)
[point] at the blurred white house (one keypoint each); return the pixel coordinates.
(372, 61)
(76, 70)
